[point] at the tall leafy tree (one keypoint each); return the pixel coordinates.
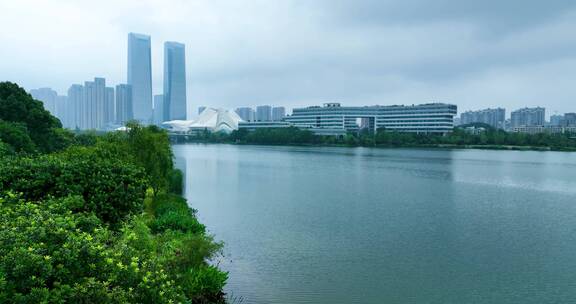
(150, 146)
(45, 130)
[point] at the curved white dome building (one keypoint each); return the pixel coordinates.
(213, 120)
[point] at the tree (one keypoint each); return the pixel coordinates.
(150, 147)
(45, 130)
(16, 135)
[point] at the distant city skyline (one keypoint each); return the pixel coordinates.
(296, 53)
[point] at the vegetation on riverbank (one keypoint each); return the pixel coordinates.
(459, 138)
(95, 219)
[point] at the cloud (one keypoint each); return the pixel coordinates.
(299, 52)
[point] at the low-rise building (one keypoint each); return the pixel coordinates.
(544, 129)
(335, 119)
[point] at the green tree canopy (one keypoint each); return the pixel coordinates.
(45, 130)
(16, 135)
(150, 147)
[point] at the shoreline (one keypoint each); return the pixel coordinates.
(438, 146)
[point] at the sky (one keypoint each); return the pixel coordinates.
(475, 54)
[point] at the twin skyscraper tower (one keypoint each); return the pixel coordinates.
(171, 105)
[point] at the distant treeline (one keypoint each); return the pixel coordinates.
(490, 138)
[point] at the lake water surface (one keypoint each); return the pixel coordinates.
(360, 225)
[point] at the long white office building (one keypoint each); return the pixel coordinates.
(425, 118)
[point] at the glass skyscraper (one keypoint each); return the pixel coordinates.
(174, 81)
(140, 76)
(159, 110)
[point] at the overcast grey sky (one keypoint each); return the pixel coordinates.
(475, 54)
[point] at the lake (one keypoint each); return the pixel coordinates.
(362, 225)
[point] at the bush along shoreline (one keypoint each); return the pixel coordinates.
(96, 219)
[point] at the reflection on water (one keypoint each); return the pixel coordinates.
(344, 225)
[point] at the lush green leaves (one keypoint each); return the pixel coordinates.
(45, 130)
(47, 256)
(175, 182)
(150, 147)
(275, 136)
(111, 189)
(16, 135)
(172, 213)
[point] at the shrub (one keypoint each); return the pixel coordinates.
(5, 149)
(172, 213)
(111, 189)
(175, 181)
(206, 284)
(46, 256)
(86, 139)
(16, 135)
(178, 220)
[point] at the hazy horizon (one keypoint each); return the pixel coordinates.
(297, 53)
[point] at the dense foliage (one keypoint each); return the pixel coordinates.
(276, 136)
(45, 130)
(150, 147)
(16, 135)
(97, 220)
(50, 254)
(5, 149)
(111, 189)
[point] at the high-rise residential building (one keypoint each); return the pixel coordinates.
(264, 113)
(528, 117)
(201, 109)
(89, 107)
(95, 99)
(556, 120)
(492, 117)
(159, 109)
(77, 106)
(570, 120)
(47, 96)
(174, 81)
(457, 121)
(123, 104)
(278, 113)
(61, 109)
(109, 107)
(140, 76)
(246, 113)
